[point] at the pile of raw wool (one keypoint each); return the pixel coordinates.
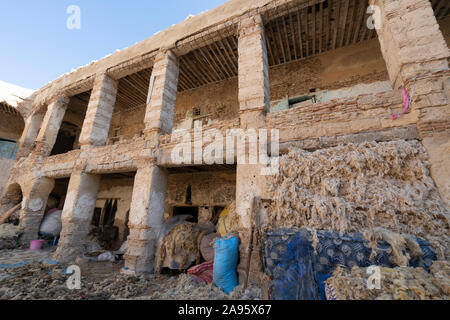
(179, 247)
(366, 188)
(401, 283)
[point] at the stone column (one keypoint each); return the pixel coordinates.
(34, 202)
(146, 217)
(416, 56)
(162, 95)
(77, 214)
(50, 126)
(254, 102)
(99, 112)
(150, 184)
(410, 39)
(29, 134)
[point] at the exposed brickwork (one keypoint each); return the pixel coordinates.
(161, 105)
(50, 126)
(410, 39)
(98, 116)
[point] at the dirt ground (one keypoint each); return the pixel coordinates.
(26, 275)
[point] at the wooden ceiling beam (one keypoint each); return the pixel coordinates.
(203, 66)
(360, 20)
(313, 28)
(280, 41)
(300, 37)
(344, 22)
(291, 25)
(286, 38)
(219, 71)
(217, 56)
(217, 76)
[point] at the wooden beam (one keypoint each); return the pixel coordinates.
(300, 37)
(352, 22)
(328, 25)
(306, 30)
(359, 20)
(219, 59)
(281, 42)
(321, 15)
(291, 24)
(313, 27)
(283, 21)
(277, 50)
(335, 24)
(344, 22)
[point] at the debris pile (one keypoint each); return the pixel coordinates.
(47, 281)
(9, 235)
(363, 188)
(401, 283)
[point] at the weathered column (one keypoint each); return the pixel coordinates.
(410, 39)
(146, 217)
(50, 126)
(29, 134)
(34, 202)
(162, 94)
(150, 184)
(416, 56)
(77, 214)
(99, 112)
(254, 102)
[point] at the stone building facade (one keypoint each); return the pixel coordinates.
(311, 69)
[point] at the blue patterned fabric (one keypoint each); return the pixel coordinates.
(300, 271)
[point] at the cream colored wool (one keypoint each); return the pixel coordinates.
(401, 283)
(362, 188)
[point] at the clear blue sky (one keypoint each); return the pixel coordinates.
(37, 47)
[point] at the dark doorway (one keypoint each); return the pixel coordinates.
(192, 211)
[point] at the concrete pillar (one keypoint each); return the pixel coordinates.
(34, 202)
(411, 42)
(416, 56)
(146, 217)
(162, 94)
(77, 215)
(254, 102)
(29, 134)
(150, 184)
(50, 126)
(99, 112)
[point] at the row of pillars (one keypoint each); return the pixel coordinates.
(149, 192)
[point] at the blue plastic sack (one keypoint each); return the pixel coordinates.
(225, 263)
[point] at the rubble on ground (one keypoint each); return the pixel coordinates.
(48, 281)
(401, 283)
(9, 235)
(364, 188)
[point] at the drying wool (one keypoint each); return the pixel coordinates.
(401, 283)
(362, 188)
(180, 248)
